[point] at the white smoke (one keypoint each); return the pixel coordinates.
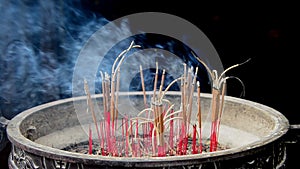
(39, 43)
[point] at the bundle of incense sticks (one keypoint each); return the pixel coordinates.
(158, 130)
(217, 105)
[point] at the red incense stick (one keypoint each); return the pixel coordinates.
(171, 137)
(90, 140)
(194, 147)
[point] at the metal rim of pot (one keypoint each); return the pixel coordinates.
(16, 138)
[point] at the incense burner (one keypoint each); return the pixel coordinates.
(252, 131)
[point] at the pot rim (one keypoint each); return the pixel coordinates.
(16, 138)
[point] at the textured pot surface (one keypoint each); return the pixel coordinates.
(252, 131)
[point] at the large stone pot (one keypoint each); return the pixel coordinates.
(254, 133)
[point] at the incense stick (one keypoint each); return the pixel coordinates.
(112, 100)
(221, 106)
(199, 116)
(165, 120)
(162, 83)
(91, 107)
(155, 82)
(117, 97)
(191, 94)
(143, 86)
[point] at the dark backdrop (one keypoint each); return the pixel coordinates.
(266, 33)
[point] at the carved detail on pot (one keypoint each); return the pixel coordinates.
(58, 164)
(80, 166)
(22, 160)
(262, 146)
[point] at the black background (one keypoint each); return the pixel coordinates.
(268, 34)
